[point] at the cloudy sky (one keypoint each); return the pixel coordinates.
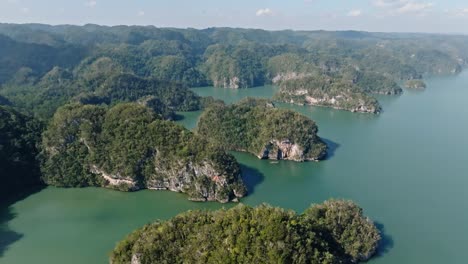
(443, 16)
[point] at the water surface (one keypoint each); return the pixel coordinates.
(406, 167)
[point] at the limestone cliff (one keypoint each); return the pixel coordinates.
(286, 150)
(233, 83)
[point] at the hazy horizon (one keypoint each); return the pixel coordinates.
(388, 16)
(249, 28)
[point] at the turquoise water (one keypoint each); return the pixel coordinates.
(406, 167)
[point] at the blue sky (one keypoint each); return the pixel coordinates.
(443, 16)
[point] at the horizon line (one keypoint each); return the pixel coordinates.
(233, 27)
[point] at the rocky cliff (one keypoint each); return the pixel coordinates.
(233, 83)
(128, 148)
(286, 150)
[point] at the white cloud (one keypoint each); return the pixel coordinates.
(355, 13)
(415, 7)
(141, 13)
(264, 12)
(389, 3)
(403, 6)
(460, 13)
(91, 3)
(25, 10)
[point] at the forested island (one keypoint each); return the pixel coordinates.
(333, 232)
(127, 147)
(43, 67)
(256, 126)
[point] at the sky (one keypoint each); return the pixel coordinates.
(435, 16)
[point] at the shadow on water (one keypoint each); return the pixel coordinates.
(8, 236)
(251, 177)
(178, 117)
(386, 243)
(332, 147)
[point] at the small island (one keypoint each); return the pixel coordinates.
(333, 232)
(258, 127)
(415, 84)
(322, 90)
(128, 147)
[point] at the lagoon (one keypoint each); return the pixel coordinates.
(407, 168)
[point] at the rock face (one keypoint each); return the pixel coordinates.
(286, 150)
(288, 76)
(126, 148)
(177, 177)
(232, 83)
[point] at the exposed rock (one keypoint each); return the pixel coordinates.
(232, 83)
(116, 181)
(415, 84)
(286, 150)
(289, 76)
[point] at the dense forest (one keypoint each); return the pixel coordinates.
(256, 126)
(127, 147)
(333, 232)
(43, 67)
(19, 147)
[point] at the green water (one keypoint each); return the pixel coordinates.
(407, 168)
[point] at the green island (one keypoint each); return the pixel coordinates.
(333, 232)
(415, 84)
(324, 91)
(256, 126)
(128, 148)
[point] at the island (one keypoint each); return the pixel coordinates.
(415, 84)
(322, 90)
(333, 232)
(258, 127)
(129, 147)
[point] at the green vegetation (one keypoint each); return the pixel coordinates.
(44, 67)
(415, 84)
(256, 126)
(323, 90)
(333, 232)
(19, 142)
(98, 83)
(128, 147)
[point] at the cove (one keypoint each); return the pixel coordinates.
(406, 167)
